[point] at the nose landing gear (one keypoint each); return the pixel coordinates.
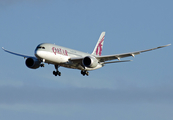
(41, 65)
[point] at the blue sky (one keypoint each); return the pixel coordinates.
(141, 89)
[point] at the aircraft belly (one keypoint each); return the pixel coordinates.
(72, 65)
(79, 66)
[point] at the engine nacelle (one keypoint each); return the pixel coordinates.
(90, 62)
(32, 63)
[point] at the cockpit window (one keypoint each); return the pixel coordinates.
(40, 47)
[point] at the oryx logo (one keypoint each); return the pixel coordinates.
(99, 47)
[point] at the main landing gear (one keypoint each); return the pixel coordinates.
(56, 72)
(84, 73)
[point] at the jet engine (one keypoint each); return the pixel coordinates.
(90, 61)
(32, 63)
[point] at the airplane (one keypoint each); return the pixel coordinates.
(69, 58)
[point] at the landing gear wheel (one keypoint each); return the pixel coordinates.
(56, 72)
(42, 65)
(87, 73)
(59, 73)
(84, 73)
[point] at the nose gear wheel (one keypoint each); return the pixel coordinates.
(41, 65)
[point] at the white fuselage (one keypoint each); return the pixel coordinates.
(58, 55)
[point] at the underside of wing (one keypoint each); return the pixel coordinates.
(77, 61)
(25, 56)
(119, 56)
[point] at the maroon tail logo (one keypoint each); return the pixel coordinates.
(99, 47)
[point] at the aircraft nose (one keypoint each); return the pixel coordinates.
(38, 53)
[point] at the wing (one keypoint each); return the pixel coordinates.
(118, 56)
(25, 56)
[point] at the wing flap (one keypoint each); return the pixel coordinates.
(116, 61)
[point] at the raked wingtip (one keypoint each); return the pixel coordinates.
(167, 45)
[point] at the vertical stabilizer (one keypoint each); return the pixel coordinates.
(99, 46)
